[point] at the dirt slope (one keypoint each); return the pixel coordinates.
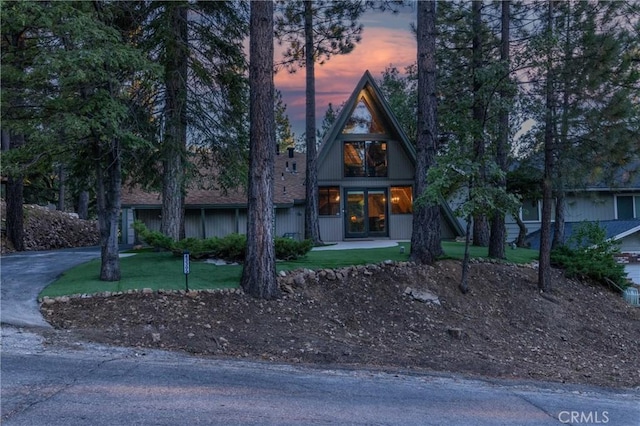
(578, 333)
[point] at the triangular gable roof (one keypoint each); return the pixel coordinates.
(393, 127)
(380, 104)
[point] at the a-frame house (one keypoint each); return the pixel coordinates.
(366, 168)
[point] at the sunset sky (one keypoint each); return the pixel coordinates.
(386, 40)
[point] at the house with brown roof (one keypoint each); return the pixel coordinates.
(366, 168)
(212, 212)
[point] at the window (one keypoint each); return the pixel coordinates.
(362, 120)
(530, 211)
(328, 200)
(401, 200)
(365, 159)
(628, 206)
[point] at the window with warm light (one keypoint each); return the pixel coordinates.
(362, 120)
(401, 200)
(328, 200)
(365, 159)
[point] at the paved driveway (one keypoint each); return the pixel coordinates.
(25, 274)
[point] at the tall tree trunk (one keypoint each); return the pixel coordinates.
(521, 240)
(311, 221)
(14, 214)
(464, 282)
(62, 186)
(15, 198)
(259, 271)
(544, 271)
(83, 205)
(425, 235)
(175, 137)
(563, 140)
(498, 231)
(558, 225)
(480, 222)
(108, 186)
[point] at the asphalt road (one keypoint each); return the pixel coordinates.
(76, 383)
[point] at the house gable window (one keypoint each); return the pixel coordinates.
(365, 158)
(627, 206)
(530, 211)
(362, 120)
(401, 200)
(328, 201)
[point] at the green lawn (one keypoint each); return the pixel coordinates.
(165, 271)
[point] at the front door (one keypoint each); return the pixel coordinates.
(366, 213)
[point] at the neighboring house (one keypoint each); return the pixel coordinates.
(210, 212)
(365, 183)
(615, 207)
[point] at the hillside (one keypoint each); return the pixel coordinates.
(388, 316)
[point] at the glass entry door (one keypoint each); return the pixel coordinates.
(366, 213)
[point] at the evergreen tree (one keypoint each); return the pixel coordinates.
(202, 98)
(401, 93)
(425, 237)
(285, 138)
(259, 270)
(81, 86)
(315, 31)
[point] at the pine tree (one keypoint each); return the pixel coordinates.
(259, 271)
(425, 237)
(315, 31)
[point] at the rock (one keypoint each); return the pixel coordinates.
(455, 332)
(299, 280)
(155, 337)
(423, 296)
(331, 276)
(287, 288)
(147, 290)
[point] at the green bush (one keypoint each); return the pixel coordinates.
(232, 247)
(155, 239)
(589, 254)
(289, 249)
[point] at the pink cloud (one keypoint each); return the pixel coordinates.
(336, 79)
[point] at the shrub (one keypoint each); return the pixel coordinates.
(589, 254)
(232, 247)
(288, 249)
(155, 239)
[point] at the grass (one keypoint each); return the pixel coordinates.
(162, 270)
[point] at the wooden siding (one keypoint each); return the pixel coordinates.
(332, 167)
(630, 244)
(218, 223)
(400, 166)
(400, 226)
(150, 217)
(290, 220)
(331, 228)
